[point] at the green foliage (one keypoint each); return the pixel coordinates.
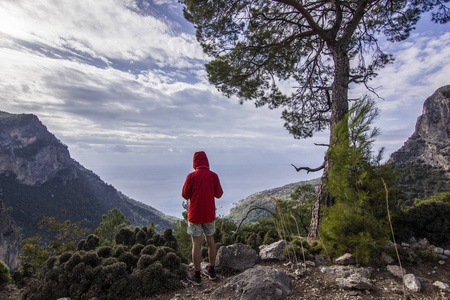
(420, 181)
(111, 223)
(66, 233)
(125, 271)
(257, 47)
(5, 278)
(428, 219)
(357, 222)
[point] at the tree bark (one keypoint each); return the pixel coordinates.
(339, 108)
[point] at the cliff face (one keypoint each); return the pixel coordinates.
(39, 178)
(29, 151)
(429, 143)
(9, 239)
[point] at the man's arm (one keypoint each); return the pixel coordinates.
(187, 190)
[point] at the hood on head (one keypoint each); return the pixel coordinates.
(200, 160)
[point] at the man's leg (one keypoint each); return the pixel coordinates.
(211, 249)
(196, 252)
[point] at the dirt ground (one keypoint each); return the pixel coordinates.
(316, 285)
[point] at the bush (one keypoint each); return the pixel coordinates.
(5, 278)
(104, 251)
(136, 249)
(429, 220)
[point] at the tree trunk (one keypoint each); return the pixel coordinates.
(339, 107)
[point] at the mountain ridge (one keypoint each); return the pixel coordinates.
(39, 178)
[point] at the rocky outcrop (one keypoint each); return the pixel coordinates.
(9, 239)
(236, 258)
(260, 282)
(29, 151)
(429, 142)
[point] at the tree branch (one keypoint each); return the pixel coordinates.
(309, 169)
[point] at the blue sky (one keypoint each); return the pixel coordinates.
(122, 84)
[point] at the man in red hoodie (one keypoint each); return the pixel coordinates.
(201, 188)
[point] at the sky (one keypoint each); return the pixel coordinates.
(122, 83)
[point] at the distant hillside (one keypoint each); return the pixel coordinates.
(264, 199)
(39, 178)
(423, 162)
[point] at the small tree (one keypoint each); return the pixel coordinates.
(5, 278)
(356, 223)
(111, 223)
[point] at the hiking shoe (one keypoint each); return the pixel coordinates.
(194, 280)
(211, 275)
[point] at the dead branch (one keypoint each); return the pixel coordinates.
(308, 169)
(326, 145)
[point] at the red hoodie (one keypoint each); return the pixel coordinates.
(200, 187)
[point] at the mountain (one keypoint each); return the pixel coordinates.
(39, 178)
(429, 144)
(264, 199)
(422, 164)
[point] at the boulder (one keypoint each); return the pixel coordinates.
(346, 259)
(447, 252)
(439, 250)
(260, 282)
(424, 242)
(412, 283)
(441, 285)
(274, 251)
(355, 281)
(395, 270)
(236, 258)
(386, 259)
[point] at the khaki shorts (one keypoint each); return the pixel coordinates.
(197, 229)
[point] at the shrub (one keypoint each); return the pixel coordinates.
(144, 261)
(118, 250)
(5, 278)
(64, 257)
(427, 220)
(104, 251)
(149, 249)
(92, 259)
(136, 249)
(125, 236)
(91, 242)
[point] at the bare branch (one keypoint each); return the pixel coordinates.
(309, 169)
(326, 145)
(250, 210)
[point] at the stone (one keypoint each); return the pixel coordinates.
(413, 283)
(260, 282)
(355, 281)
(236, 258)
(441, 262)
(424, 242)
(9, 239)
(405, 245)
(395, 270)
(346, 259)
(439, 250)
(447, 252)
(386, 259)
(274, 251)
(441, 285)
(321, 259)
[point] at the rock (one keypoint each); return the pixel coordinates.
(424, 242)
(9, 239)
(442, 286)
(412, 283)
(386, 259)
(273, 251)
(405, 245)
(320, 260)
(355, 281)
(439, 250)
(441, 262)
(236, 258)
(346, 271)
(346, 259)
(389, 245)
(447, 252)
(260, 282)
(395, 270)
(429, 142)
